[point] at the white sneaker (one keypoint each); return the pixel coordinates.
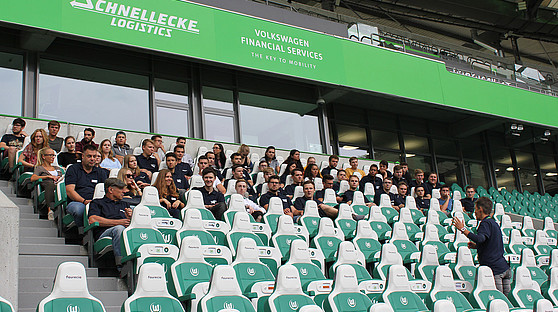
(51, 215)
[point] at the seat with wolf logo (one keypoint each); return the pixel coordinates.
(224, 292)
(327, 240)
(369, 191)
(288, 294)
(506, 225)
(194, 200)
(193, 226)
(524, 293)
(550, 231)
(236, 204)
(310, 218)
(387, 210)
(254, 278)
(464, 268)
(485, 289)
(379, 224)
(330, 198)
(417, 215)
(407, 249)
(552, 263)
(515, 244)
(150, 199)
(550, 288)
(345, 221)
(312, 278)
(435, 206)
(498, 212)
(190, 273)
(413, 231)
(168, 227)
(431, 237)
(242, 227)
(6, 306)
(347, 254)
(69, 292)
(398, 291)
(142, 243)
(443, 234)
(345, 295)
(528, 230)
(444, 288)
(285, 235)
(528, 260)
(427, 264)
(359, 205)
(151, 292)
(388, 257)
(541, 246)
(274, 211)
(366, 241)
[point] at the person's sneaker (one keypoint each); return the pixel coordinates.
(358, 217)
(51, 215)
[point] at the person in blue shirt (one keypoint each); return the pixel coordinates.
(446, 202)
(489, 244)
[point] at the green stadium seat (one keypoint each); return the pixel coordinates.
(358, 205)
(528, 230)
(193, 226)
(194, 200)
(366, 241)
(550, 231)
(444, 288)
(369, 191)
(506, 226)
(6, 306)
(224, 292)
(552, 263)
(549, 288)
(190, 273)
(407, 249)
(524, 293)
(433, 219)
(427, 264)
(274, 211)
(464, 268)
(168, 227)
(498, 212)
(387, 210)
(312, 277)
(485, 290)
(528, 260)
(417, 215)
(541, 247)
(379, 224)
(330, 198)
(398, 291)
(327, 240)
(235, 204)
(150, 199)
(310, 218)
(347, 254)
(285, 235)
(242, 227)
(431, 237)
(288, 294)
(345, 221)
(70, 292)
(413, 231)
(151, 292)
(345, 295)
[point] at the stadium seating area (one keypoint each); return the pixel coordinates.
(405, 261)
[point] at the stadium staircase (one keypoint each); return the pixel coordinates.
(40, 253)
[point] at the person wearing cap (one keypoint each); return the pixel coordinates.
(112, 213)
(120, 149)
(13, 142)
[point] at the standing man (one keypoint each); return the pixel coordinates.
(55, 142)
(212, 198)
(469, 201)
(81, 179)
(13, 142)
(333, 161)
(489, 244)
(112, 213)
(88, 136)
(120, 148)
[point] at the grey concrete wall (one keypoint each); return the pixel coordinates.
(9, 249)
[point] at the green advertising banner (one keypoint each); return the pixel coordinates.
(202, 32)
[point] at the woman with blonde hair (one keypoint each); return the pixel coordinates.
(244, 151)
(168, 193)
(141, 178)
(29, 156)
(133, 192)
(108, 161)
(49, 174)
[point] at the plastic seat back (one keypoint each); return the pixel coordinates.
(194, 200)
(288, 294)
(550, 230)
(70, 291)
(359, 205)
(427, 264)
(366, 241)
(347, 254)
(196, 181)
(231, 188)
(330, 198)
(151, 292)
(379, 224)
(343, 187)
(398, 291)
(524, 292)
(285, 235)
(242, 227)
(190, 273)
(224, 292)
(311, 218)
(389, 257)
(528, 260)
(193, 226)
(236, 204)
(248, 267)
(298, 192)
(345, 221)
(345, 295)
(369, 191)
(299, 256)
(464, 268)
(541, 246)
(327, 241)
(527, 227)
(274, 211)
(515, 244)
(150, 199)
(444, 288)
(140, 231)
(401, 240)
(506, 225)
(498, 305)
(550, 289)
(485, 289)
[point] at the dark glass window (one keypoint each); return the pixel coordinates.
(385, 140)
(416, 144)
(476, 174)
(505, 177)
(11, 83)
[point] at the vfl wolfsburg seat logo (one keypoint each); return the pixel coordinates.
(155, 308)
(351, 302)
(404, 301)
(228, 305)
(194, 271)
(347, 224)
(314, 222)
(167, 238)
(72, 308)
(293, 305)
(144, 236)
(330, 243)
(367, 244)
(303, 271)
(490, 297)
(152, 212)
(379, 226)
(408, 227)
(403, 246)
(251, 271)
(469, 272)
(288, 241)
(530, 298)
(449, 298)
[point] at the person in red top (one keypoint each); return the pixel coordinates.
(88, 136)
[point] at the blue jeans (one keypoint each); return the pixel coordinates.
(76, 209)
(115, 233)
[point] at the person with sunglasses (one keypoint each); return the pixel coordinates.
(133, 192)
(49, 174)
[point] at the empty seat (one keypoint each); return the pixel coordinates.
(150, 199)
(285, 235)
(398, 291)
(541, 246)
(407, 249)
(288, 294)
(193, 226)
(310, 218)
(345, 295)
(464, 268)
(330, 198)
(298, 192)
(369, 191)
(524, 293)
(550, 231)
(417, 215)
(224, 292)
(311, 275)
(443, 288)
(343, 187)
(348, 255)
(359, 205)
(274, 211)
(431, 237)
(443, 233)
(379, 224)
(528, 260)
(194, 200)
(413, 231)
(345, 221)
(485, 289)
(327, 240)
(366, 241)
(550, 288)
(528, 229)
(427, 264)
(241, 228)
(515, 244)
(151, 292)
(70, 292)
(388, 257)
(387, 210)
(498, 212)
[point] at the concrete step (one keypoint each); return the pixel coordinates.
(28, 216)
(26, 209)
(37, 232)
(108, 298)
(42, 261)
(51, 249)
(42, 240)
(36, 223)
(20, 201)
(45, 284)
(49, 272)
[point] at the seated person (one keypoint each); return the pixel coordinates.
(212, 198)
(238, 174)
(132, 193)
(236, 159)
(349, 194)
(108, 161)
(182, 166)
(333, 161)
(13, 142)
(120, 148)
(328, 184)
(147, 162)
(55, 142)
(469, 201)
(353, 161)
(398, 175)
(446, 202)
(383, 170)
(271, 160)
(400, 198)
(294, 156)
(323, 209)
(431, 184)
(211, 159)
(251, 207)
(81, 180)
(311, 172)
(141, 177)
(220, 157)
(419, 179)
(49, 174)
(274, 187)
(112, 213)
(168, 194)
(244, 151)
(422, 202)
(298, 178)
(386, 186)
(267, 173)
(371, 178)
(88, 136)
(406, 173)
(70, 156)
(159, 149)
(203, 163)
(186, 158)
(29, 156)
(261, 167)
(288, 171)
(341, 176)
(311, 161)
(179, 178)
